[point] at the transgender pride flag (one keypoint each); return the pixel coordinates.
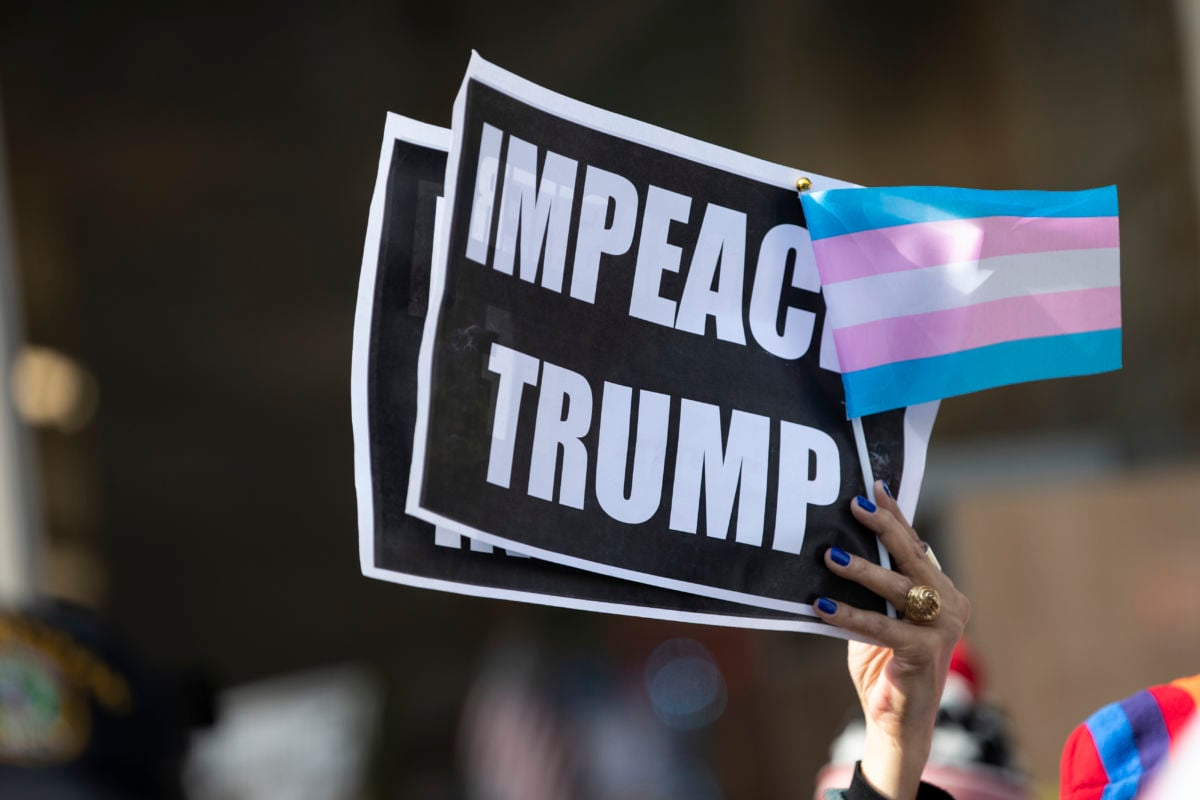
(934, 292)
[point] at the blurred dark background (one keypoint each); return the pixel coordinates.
(189, 191)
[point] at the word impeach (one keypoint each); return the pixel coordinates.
(808, 473)
(540, 215)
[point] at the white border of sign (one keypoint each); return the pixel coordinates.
(408, 130)
(650, 136)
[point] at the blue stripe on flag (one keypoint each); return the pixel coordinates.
(1113, 737)
(907, 383)
(835, 212)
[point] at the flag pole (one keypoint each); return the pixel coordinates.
(864, 461)
(864, 458)
(803, 184)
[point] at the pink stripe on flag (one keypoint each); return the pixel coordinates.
(940, 332)
(953, 241)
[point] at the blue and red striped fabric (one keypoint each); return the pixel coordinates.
(936, 291)
(1118, 749)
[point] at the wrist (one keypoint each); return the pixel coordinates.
(892, 764)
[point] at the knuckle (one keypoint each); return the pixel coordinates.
(872, 626)
(897, 520)
(860, 567)
(873, 521)
(888, 521)
(951, 634)
(917, 549)
(893, 530)
(901, 522)
(954, 627)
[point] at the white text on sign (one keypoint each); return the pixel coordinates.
(809, 468)
(535, 217)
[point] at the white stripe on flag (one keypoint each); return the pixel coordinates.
(900, 294)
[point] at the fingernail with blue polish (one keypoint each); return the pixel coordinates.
(839, 556)
(866, 505)
(887, 490)
(826, 606)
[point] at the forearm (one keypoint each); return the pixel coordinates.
(861, 789)
(892, 767)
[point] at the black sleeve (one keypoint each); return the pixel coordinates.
(861, 790)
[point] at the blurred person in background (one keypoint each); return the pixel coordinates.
(80, 717)
(596, 725)
(1119, 751)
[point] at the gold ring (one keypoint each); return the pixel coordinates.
(923, 604)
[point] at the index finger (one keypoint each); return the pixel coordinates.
(884, 499)
(887, 500)
(906, 548)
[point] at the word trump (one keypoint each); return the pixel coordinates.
(729, 468)
(536, 219)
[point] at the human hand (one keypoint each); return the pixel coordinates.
(899, 680)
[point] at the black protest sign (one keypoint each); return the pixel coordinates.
(388, 324)
(622, 365)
